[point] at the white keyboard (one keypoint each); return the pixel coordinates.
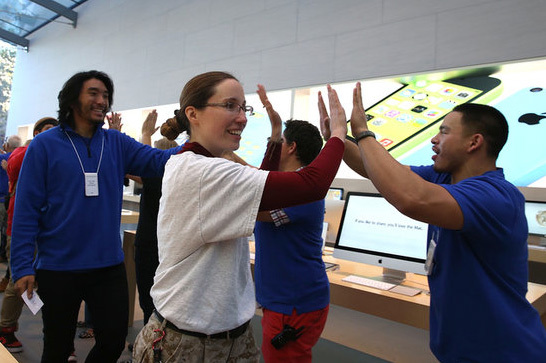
(381, 285)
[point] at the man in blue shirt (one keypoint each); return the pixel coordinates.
(291, 282)
(68, 207)
(478, 250)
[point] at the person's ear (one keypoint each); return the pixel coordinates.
(476, 142)
(292, 147)
(191, 113)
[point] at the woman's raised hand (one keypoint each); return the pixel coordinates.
(324, 118)
(274, 117)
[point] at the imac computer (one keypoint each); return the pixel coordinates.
(335, 194)
(535, 212)
(536, 217)
(373, 232)
(332, 218)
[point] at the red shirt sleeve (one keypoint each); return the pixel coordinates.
(272, 157)
(15, 161)
(285, 189)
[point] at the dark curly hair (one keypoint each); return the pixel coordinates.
(307, 138)
(70, 93)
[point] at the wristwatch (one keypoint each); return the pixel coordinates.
(363, 135)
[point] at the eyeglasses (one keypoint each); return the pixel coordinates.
(233, 107)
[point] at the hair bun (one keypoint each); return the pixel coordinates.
(170, 128)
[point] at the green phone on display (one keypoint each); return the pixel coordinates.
(398, 119)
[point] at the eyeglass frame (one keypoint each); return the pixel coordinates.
(245, 108)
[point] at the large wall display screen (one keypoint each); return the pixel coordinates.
(405, 113)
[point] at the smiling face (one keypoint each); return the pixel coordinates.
(92, 103)
(217, 128)
(450, 145)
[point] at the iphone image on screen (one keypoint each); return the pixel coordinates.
(523, 157)
(397, 119)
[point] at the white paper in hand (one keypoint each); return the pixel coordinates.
(34, 304)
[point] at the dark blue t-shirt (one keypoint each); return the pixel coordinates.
(478, 309)
(289, 271)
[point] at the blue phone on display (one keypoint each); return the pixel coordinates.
(523, 157)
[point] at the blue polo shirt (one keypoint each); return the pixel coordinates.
(289, 272)
(478, 309)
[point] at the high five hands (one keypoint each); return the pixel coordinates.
(358, 114)
(359, 122)
(274, 117)
(335, 123)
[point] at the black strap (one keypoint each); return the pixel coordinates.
(230, 334)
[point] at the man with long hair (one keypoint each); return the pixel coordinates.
(68, 207)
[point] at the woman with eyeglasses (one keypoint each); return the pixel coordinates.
(203, 289)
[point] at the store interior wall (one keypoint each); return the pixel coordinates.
(151, 49)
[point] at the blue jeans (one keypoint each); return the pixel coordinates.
(104, 291)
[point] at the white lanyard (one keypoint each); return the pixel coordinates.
(429, 263)
(91, 179)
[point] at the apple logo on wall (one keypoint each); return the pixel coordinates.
(531, 118)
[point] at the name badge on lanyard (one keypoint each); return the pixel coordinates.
(91, 184)
(91, 180)
(429, 264)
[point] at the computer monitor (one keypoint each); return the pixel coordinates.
(332, 216)
(535, 212)
(335, 194)
(373, 232)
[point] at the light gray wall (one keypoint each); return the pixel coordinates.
(151, 48)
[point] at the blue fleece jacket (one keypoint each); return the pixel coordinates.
(73, 232)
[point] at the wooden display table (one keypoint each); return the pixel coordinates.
(413, 311)
(129, 217)
(408, 310)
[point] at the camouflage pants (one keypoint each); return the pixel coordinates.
(177, 347)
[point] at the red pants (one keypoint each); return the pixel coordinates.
(300, 349)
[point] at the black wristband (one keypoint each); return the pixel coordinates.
(363, 135)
